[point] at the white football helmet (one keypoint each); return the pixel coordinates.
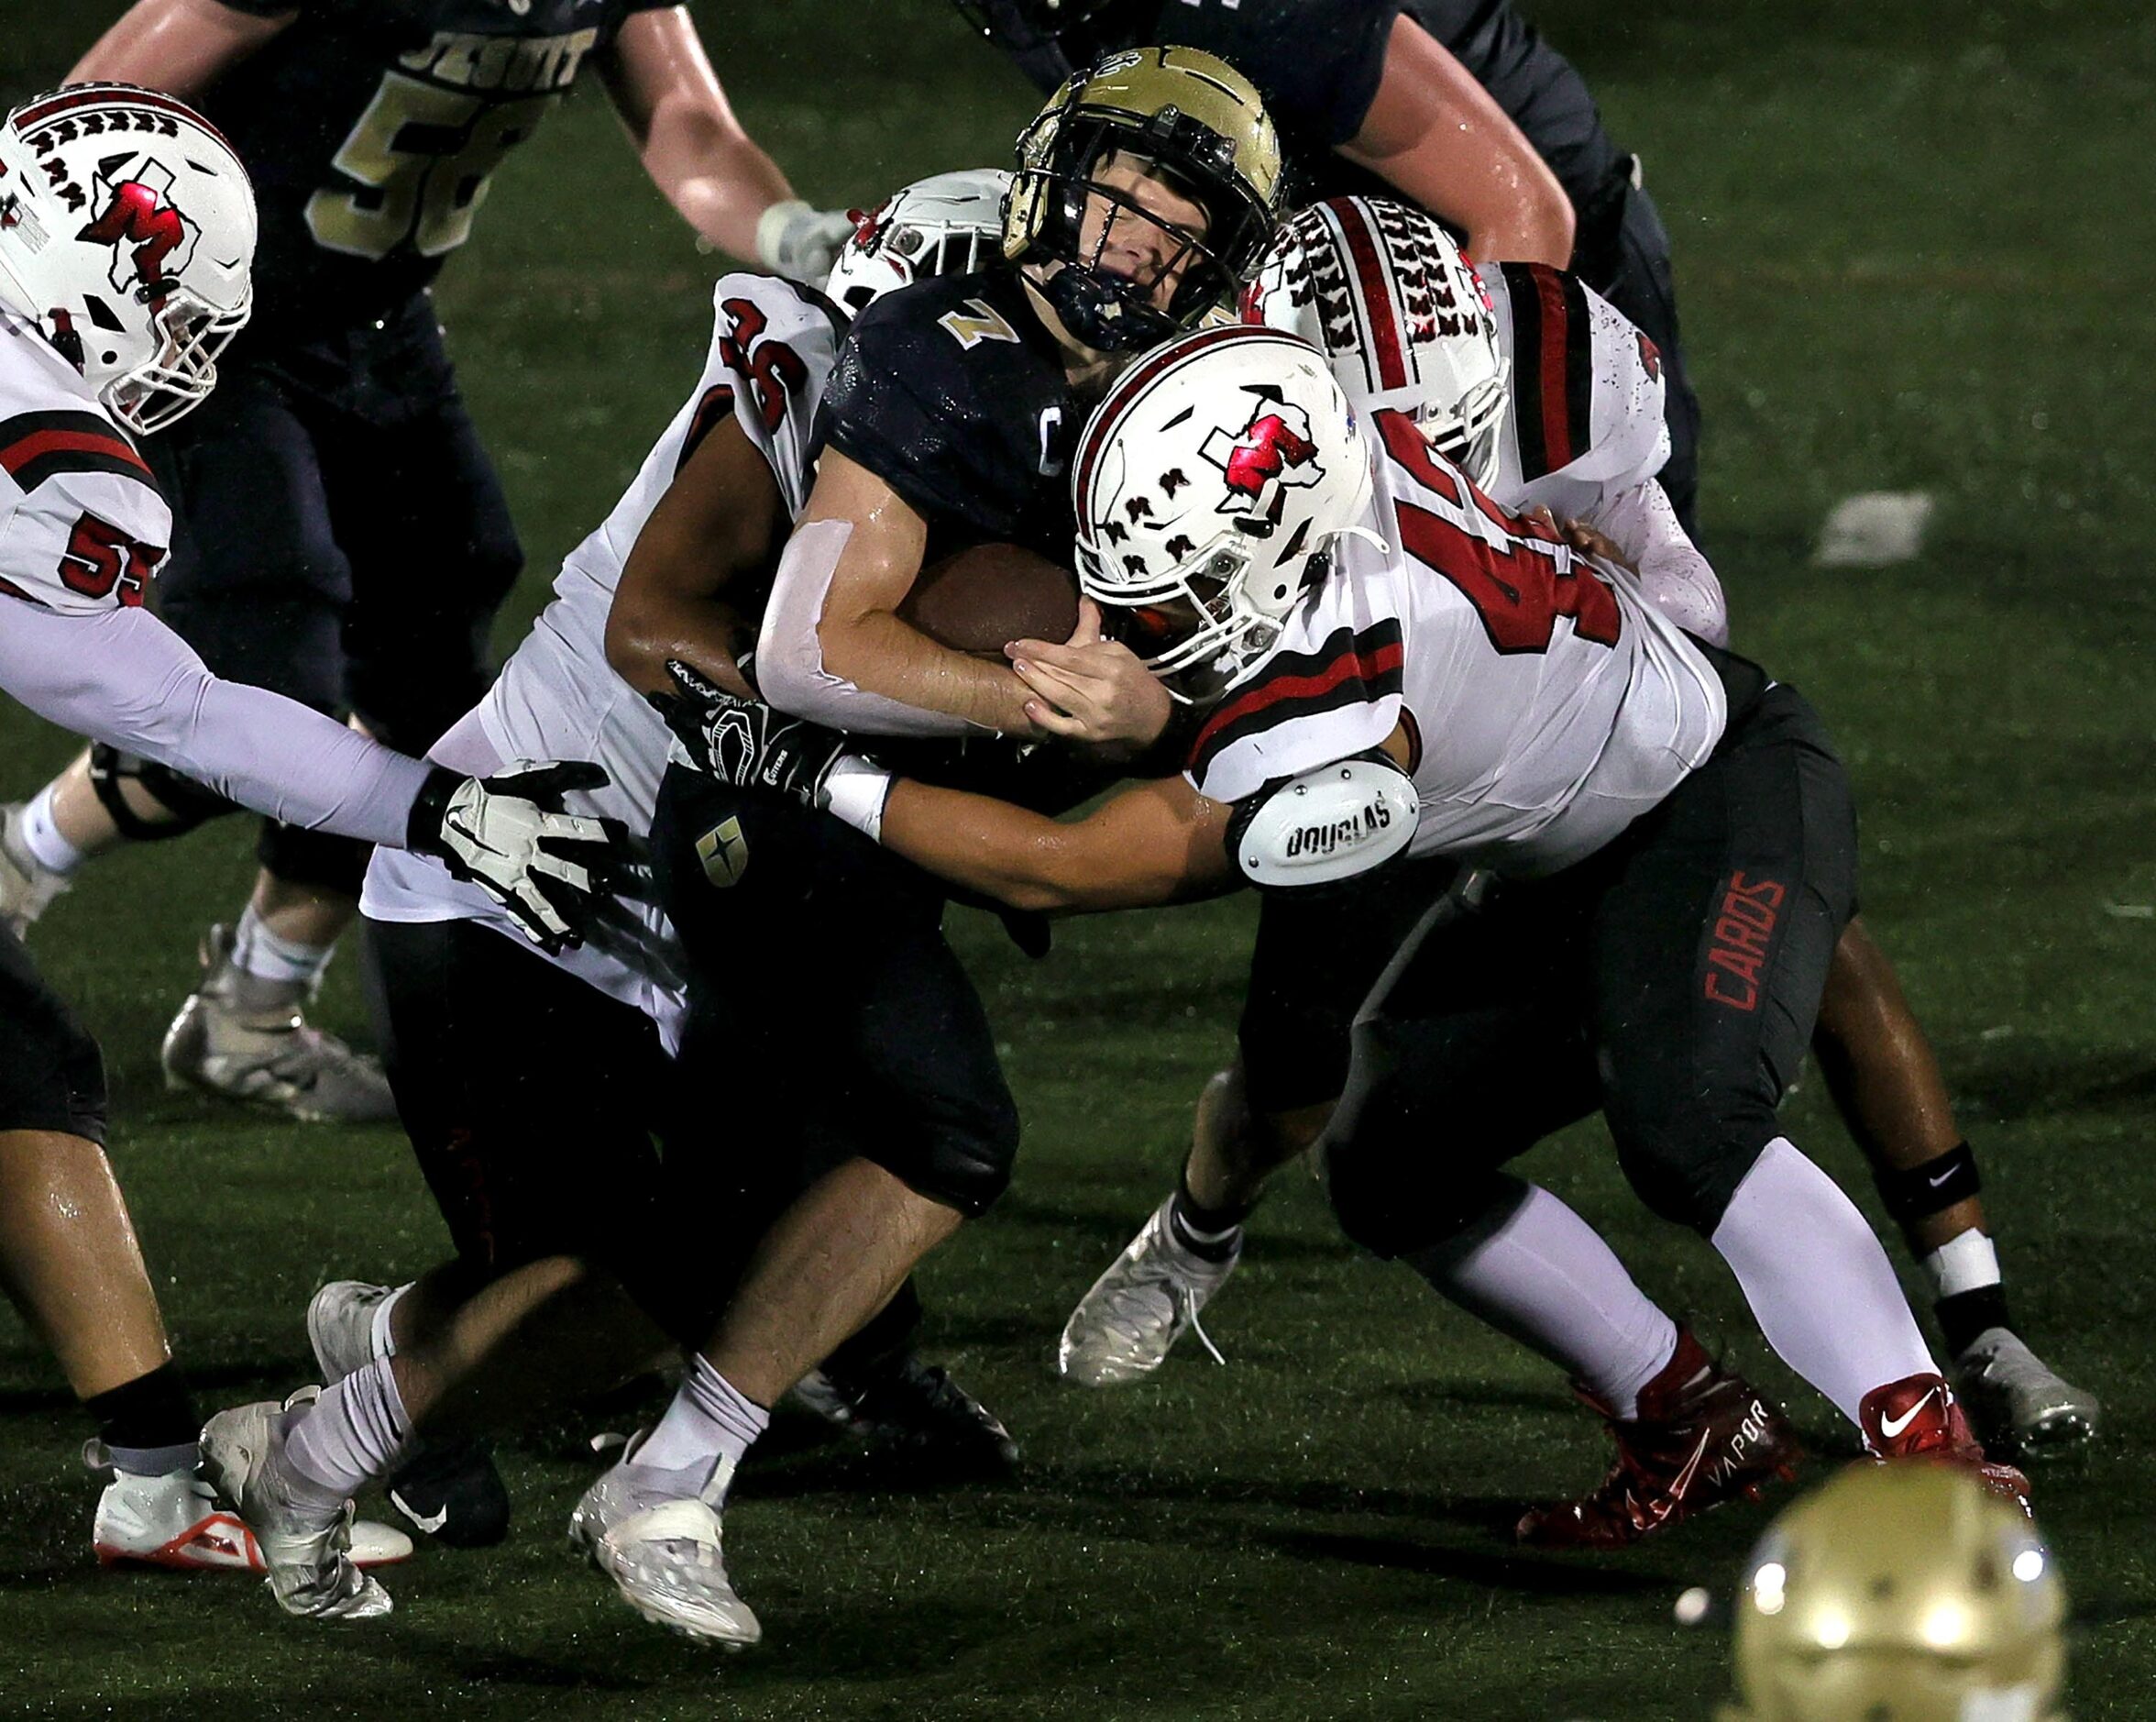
(948, 224)
(128, 235)
(1210, 485)
(1386, 295)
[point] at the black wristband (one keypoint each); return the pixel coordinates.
(423, 825)
(1919, 1192)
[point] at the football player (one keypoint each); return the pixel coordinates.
(1545, 396)
(1144, 194)
(376, 543)
(126, 235)
(1392, 666)
(1457, 104)
(532, 1086)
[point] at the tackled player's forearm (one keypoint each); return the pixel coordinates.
(1159, 843)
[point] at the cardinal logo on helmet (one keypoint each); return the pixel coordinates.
(1274, 448)
(152, 240)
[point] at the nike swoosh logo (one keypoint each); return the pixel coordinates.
(427, 1522)
(1941, 1178)
(1891, 1428)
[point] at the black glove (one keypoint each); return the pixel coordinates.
(551, 870)
(746, 743)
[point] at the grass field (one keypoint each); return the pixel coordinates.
(1914, 247)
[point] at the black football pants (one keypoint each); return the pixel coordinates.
(340, 538)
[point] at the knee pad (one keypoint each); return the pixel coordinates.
(1686, 1168)
(1399, 1182)
(316, 858)
(963, 1162)
(188, 802)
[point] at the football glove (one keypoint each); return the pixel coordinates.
(793, 239)
(507, 834)
(746, 743)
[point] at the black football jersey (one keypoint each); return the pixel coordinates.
(370, 128)
(1318, 62)
(953, 394)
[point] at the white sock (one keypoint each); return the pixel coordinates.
(1966, 1262)
(258, 952)
(42, 836)
(1545, 1278)
(381, 1341)
(1819, 1285)
(707, 1428)
(354, 1432)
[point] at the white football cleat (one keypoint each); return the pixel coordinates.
(2015, 1398)
(27, 888)
(657, 1536)
(247, 1039)
(1124, 1327)
(340, 1326)
(175, 1521)
(305, 1549)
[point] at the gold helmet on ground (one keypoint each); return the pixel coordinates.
(1905, 1593)
(1193, 122)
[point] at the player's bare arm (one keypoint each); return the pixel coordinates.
(686, 133)
(711, 532)
(856, 551)
(180, 46)
(1160, 843)
(1435, 134)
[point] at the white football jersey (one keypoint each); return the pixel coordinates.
(773, 346)
(1546, 705)
(1583, 418)
(82, 527)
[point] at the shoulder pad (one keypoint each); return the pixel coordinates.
(1333, 823)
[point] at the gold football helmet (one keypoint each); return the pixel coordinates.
(1900, 1593)
(1192, 122)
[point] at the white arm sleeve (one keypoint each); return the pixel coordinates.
(122, 678)
(789, 656)
(1674, 577)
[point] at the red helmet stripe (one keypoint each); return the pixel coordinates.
(1374, 283)
(1556, 415)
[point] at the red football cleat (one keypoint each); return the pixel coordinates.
(1704, 1435)
(1918, 1417)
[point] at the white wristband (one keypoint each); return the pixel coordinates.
(854, 792)
(775, 229)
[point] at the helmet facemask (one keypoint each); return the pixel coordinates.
(1466, 433)
(179, 375)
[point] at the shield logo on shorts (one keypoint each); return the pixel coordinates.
(724, 852)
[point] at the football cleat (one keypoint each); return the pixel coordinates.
(1918, 1417)
(2017, 1400)
(916, 1419)
(175, 1521)
(1703, 1435)
(27, 888)
(340, 1326)
(655, 1534)
(1124, 1327)
(306, 1549)
(447, 1490)
(245, 1039)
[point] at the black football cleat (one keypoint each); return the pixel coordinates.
(918, 1424)
(450, 1492)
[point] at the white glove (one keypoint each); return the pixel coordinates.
(793, 239)
(507, 834)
